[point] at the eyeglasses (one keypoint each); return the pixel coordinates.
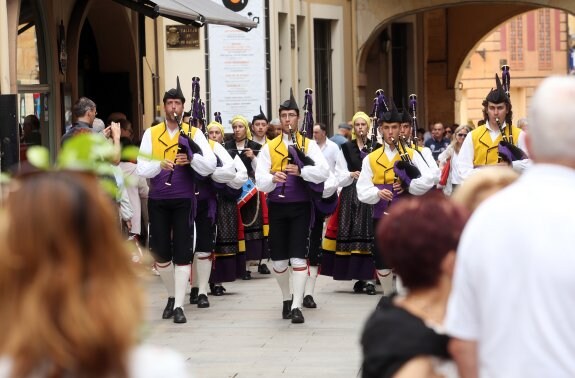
(462, 135)
(448, 132)
(290, 115)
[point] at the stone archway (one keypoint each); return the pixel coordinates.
(112, 69)
(445, 32)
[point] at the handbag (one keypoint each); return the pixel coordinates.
(445, 173)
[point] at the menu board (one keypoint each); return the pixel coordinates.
(237, 66)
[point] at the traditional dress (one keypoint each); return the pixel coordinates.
(290, 211)
(172, 207)
(348, 241)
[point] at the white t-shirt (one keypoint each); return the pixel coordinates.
(514, 284)
(146, 361)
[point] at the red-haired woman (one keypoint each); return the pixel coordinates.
(404, 336)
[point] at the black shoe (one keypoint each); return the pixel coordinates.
(247, 276)
(359, 286)
(308, 302)
(212, 287)
(286, 310)
(179, 316)
(169, 310)
(203, 301)
(263, 269)
(370, 289)
(194, 295)
(218, 291)
(296, 316)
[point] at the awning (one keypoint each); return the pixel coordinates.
(194, 12)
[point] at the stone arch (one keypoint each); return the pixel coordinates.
(113, 32)
(436, 77)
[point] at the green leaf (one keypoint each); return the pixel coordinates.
(130, 153)
(39, 157)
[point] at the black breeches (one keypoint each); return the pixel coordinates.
(171, 233)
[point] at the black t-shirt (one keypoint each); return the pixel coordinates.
(392, 336)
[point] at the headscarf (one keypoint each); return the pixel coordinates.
(357, 116)
(244, 121)
(216, 124)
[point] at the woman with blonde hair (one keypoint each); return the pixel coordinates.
(348, 240)
(69, 294)
(450, 178)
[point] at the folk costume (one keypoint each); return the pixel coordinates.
(260, 117)
(485, 144)
(290, 207)
(330, 151)
(379, 171)
(348, 240)
(228, 263)
(253, 213)
(208, 192)
(172, 207)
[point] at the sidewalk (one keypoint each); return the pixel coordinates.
(242, 334)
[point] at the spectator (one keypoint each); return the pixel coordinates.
(510, 309)
(343, 134)
(482, 185)
(77, 311)
(448, 160)
(275, 128)
(522, 124)
(438, 142)
(31, 130)
(403, 336)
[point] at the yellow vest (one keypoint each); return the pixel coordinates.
(382, 167)
(484, 149)
(279, 151)
(164, 146)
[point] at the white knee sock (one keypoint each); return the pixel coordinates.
(194, 281)
(166, 271)
(282, 277)
(182, 277)
(204, 270)
(310, 284)
(299, 277)
(386, 279)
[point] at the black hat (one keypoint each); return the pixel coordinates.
(290, 104)
(405, 116)
(175, 93)
(260, 116)
(497, 95)
(392, 116)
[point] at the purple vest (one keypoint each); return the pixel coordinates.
(383, 206)
(294, 190)
(183, 185)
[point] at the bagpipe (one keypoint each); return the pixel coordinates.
(508, 152)
(296, 152)
(182, 148)
(413, 113)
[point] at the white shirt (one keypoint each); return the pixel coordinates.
(367, 192)
(454, 175)
(434, 169)
(145, 361)
(467, 153)
(514, 284)
(317, 173)
(341, 172)
(241, 175)
(227, 171)
(330, 150)
(203, 164)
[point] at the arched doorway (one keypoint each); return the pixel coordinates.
(534, 45)
(32, 76)
(104, 59)
(441, 32)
